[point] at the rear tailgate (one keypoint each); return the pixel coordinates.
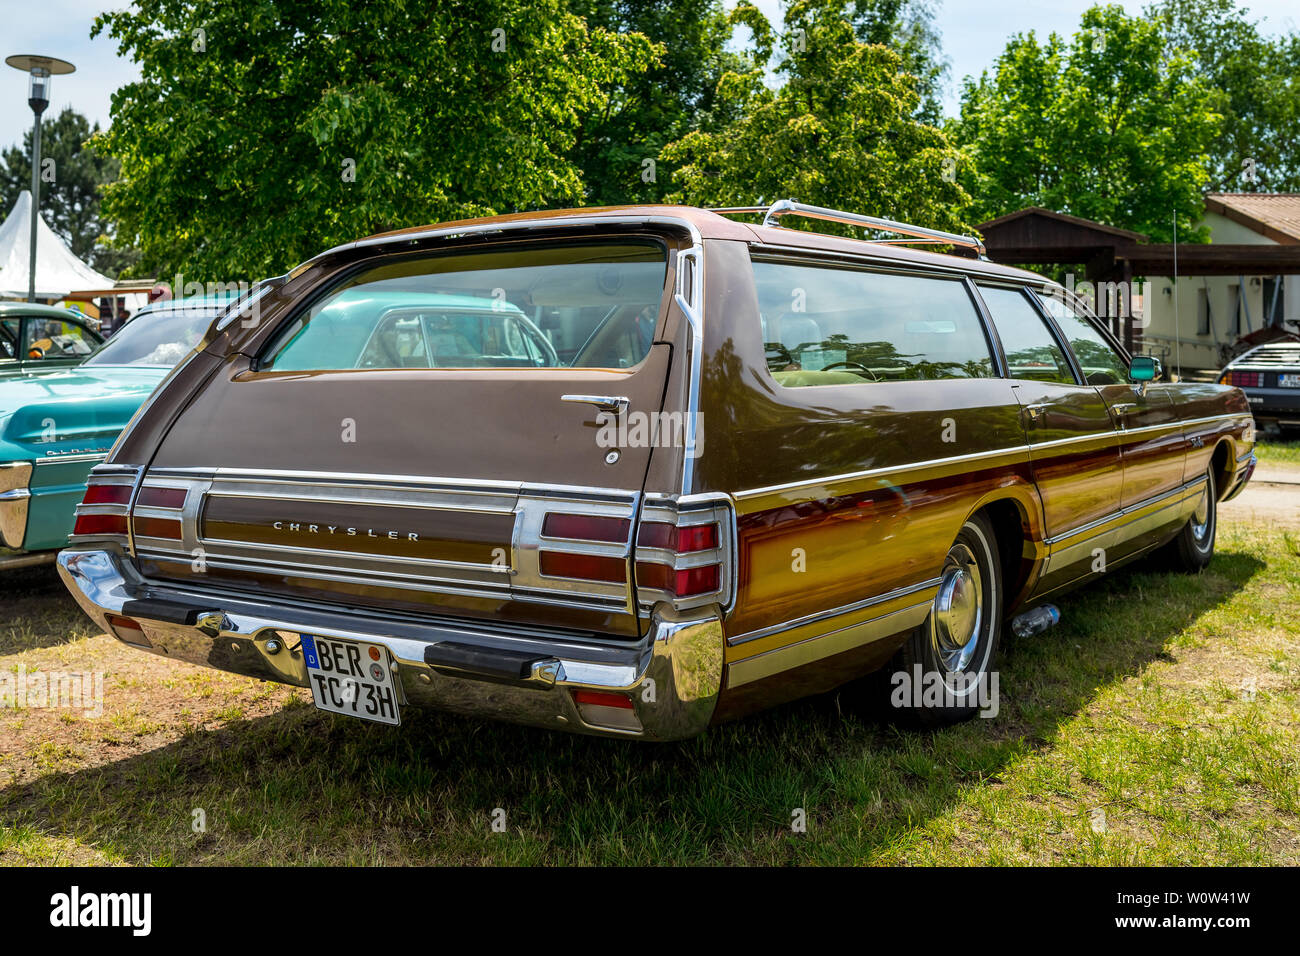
(390, 445)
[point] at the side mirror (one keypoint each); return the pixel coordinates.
(1145, 368)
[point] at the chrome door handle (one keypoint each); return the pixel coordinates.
(1035, 412)
(617, 404)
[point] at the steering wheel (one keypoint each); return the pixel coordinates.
(853, 366)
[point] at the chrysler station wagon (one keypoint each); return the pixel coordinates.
(635, 471)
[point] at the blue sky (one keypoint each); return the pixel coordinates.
(974, 32)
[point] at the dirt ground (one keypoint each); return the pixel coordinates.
(1271, 498)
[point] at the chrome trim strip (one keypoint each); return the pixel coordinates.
(61, 459)
(832, 613)
(690, 300)
(824, 645)
(1122, 512)
(973, 456)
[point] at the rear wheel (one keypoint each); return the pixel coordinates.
(1194, 547)
(942, 674)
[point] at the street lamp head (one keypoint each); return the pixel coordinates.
(39, 70)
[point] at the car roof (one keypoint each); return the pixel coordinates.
(712, 225)
(43, 311)
(207, 303)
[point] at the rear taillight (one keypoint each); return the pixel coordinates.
(682, 554)
(157, 514)
(1243, 379)
(128, 631)
(609, 710)
(103, 509)
(584, 567)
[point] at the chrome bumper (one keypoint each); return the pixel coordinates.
(672, 676)
(1241, 476)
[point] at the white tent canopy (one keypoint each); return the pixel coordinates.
(58, 271)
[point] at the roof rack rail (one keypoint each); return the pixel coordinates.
(788, 207)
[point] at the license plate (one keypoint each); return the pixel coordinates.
(352, 678)
(1289, 381)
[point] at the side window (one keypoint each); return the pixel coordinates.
(50, 338)
(1101, 364)
(835, 326)
(1032, 351)
(8, 338)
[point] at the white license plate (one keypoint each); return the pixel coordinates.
(349, 677)
(1289, 381)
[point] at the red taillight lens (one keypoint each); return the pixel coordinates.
(1243, 379)
(161, 498)
(702, 580)
(100, 524)
(598, 698)
(587, 567)
(699, 537)
(657, 534)
(683, 582)
(586, 527)
(107, 495)
(157, 528)
(128, 631)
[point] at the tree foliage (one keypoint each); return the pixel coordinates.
(654, 107)
(841, 130)
(260, 133)
(1110, 125)
(1258, 147)
(75, 173)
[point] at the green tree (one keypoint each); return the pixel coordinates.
(841, 131)
(1110, 125)
(261, 133)
(907, 27)
(654, 107)
(1258, 147)
(74, 175)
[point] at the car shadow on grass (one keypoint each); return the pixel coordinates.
(37, 611)
(300, 786)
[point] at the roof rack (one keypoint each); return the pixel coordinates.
(788, 207)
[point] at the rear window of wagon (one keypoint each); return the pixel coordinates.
(562, 305)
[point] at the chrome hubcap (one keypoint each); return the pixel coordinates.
(958, 610)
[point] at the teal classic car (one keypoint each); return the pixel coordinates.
(41, 337)
(56, 424)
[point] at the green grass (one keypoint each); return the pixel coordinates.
(1138, 706)
(1278, 452)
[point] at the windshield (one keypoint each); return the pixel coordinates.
(160, 338)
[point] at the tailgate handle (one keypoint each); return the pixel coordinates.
(491, 663)
(606, 403)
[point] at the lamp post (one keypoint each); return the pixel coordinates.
(39, 70)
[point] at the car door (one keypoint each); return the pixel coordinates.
(1071, 434)
(1152, 445)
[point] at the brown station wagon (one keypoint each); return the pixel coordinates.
(633, 471)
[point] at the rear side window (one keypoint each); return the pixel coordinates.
(1032, 351)
(833, 326)
(555, 306)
